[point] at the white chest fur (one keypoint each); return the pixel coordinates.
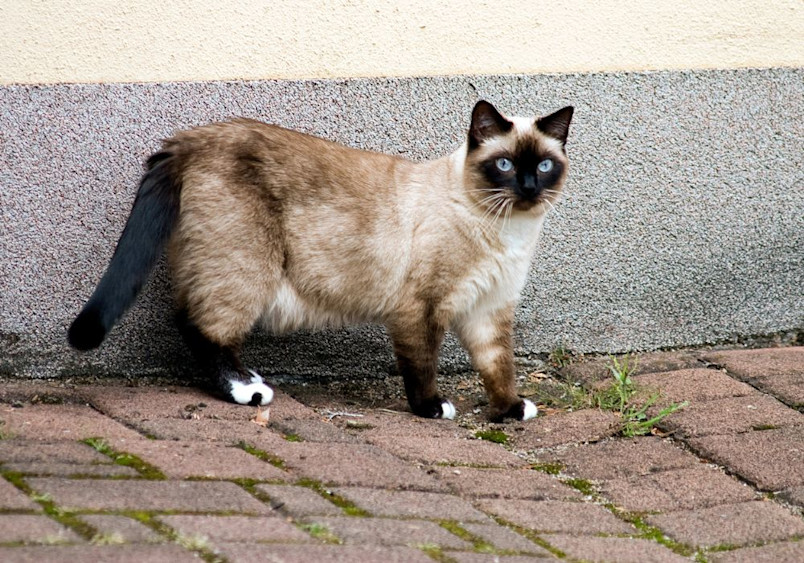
(498, 280)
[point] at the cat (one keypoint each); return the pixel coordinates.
(265, 224)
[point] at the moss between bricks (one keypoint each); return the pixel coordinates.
(348, 507)
(145, 469)
(496, 436)
(261, 454)
(64, 517)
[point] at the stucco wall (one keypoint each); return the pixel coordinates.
(152, 40)
(684, 220)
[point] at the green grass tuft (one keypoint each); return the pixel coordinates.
(145, 469)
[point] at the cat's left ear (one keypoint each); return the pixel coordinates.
(556, 124)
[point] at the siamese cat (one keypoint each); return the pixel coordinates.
(264, 224)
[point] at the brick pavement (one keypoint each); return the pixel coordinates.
(155, 473)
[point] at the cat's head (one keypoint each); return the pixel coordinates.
(516, 163)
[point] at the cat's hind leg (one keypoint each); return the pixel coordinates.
(488, 338)
(228, 377)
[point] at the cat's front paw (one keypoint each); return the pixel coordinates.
(523, 410)
(254, 392)
(436, 408)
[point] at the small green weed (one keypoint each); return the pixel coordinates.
(553, 468)
(560, 357)
(496, 436)
(619, 397)
(320, 532)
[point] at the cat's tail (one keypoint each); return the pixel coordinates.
(153, 216)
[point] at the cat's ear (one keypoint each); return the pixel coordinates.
(486, 123)
(556, 124)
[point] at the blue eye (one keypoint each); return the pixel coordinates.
(504, 164)
(545, 165)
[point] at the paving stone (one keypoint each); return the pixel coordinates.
(134, 553)
(121, 527)
(680, 489)
(732, 415)
(236, 528)
(298, 501)
(63, 451)
(622, 458)
(11, 498)
(248, 553)
(556, 516)
(384, 423)
(503, 538)
(138, 404)
(32, 528)
(62, 422)
(351, 465)
(311, 430)
(793, 495)
(469, 557)
(198, 459)
(414, 504)
(382, 531)
(748, 456)
(787, 552)
(693, 385)
(615, 550)
(586, 425)
(522, 483)
(229, 432)
(189, 496)
(730, 524)
(778, 371)
(72, 469)
(441, 450)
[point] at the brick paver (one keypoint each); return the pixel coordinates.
(730, 524)
(190, 496)
(132, 553)
(770, 459)
(12, 498)
(677, 489)
(114, 528)
(219, 529)
(778, 371)
(621, 550)
(31, 528)
(424, 488)
(415, 504)
(197, 459)
(555, 516)
(792, 552)
(298, 501)
(522, 483)
(382, 531)
(62, 422)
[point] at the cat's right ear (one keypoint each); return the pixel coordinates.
(486, 123)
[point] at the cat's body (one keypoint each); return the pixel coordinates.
(268, 225)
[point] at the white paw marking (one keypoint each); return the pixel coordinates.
(447, 410)
(530, 410)
(243, 392)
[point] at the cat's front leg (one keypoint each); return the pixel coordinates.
(417, 339)
(488, 337)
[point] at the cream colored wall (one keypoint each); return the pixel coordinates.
(154, 40)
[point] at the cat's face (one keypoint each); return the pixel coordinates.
(516, 163)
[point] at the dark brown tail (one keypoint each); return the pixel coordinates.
(153, 216)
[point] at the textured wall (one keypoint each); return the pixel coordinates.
(684, 222)
(152, 40)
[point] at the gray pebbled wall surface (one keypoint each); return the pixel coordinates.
(683, 222)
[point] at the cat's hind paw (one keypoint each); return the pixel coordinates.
(529, 410)
(523, 410)
(447, 410)
(254, 392)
